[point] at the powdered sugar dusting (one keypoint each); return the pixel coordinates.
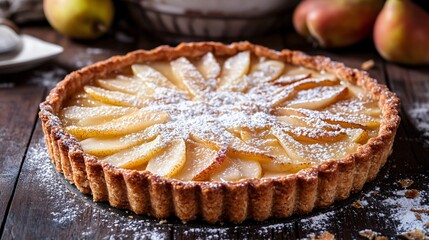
(403, 210)
(420, 115)
(319, 223)
(68, 209)
(207, 110)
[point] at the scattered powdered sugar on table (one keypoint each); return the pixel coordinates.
(68, 209)
(407, 213)
(403, 210)
(419, 112)
(319, 223)
(48, 78)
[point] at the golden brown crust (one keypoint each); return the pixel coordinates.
(259, 199)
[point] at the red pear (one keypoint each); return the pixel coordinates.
(401, 32)
(336, 23)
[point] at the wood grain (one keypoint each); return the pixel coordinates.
(18, 110)
(412, 86)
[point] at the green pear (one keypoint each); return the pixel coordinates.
(336, 23)
(79, 19)
(401, 32)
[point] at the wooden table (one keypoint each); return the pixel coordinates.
(37, 203)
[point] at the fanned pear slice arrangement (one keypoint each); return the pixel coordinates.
(220, 118)
(219, 132)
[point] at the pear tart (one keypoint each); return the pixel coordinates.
(221, 132)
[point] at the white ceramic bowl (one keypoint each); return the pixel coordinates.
(179, 20)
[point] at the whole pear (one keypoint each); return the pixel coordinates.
(336, 23)
(80, 19)
(401, 32)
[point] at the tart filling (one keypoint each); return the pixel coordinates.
(204, 114)
(221, 119)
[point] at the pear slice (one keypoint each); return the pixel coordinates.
(85, 116)
(235, 147)
(190, 76)
(282, 96)
(302, 129)
(292, 147)
(313, 152)
(201, 162)
(130, 123)
(114, 97)
(281, 165)
(208, 66)
(292, 70)
(358, 135)
(126, 85)
(287, 111)
(171, 161)
(107, 146)
(249, 168)
(327, 117)
(351, 124)
(239, 149)
(372, 109)
(137, 156)
(315, 135)
(82, 99)
(307, 122)
(373, 112)
(356, 91)
(148, 74)
(266, 71)
(287, 80)
(292, 90)
(281, 161)
(236, 169)
(228, 171)
(320, 103)
(314, 82)
(165, 69)
(87, 102)
(233, 73)
(293, 121)
(209, 140)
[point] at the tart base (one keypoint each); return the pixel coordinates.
(258, 199)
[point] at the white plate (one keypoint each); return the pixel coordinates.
(34, 52)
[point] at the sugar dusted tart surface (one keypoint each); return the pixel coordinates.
(219, 132)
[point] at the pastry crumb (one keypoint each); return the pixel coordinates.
(418, 216)
(367, 233)
(163, 221)
(412, 193)
(367, 65)
(371, 235)
(324, 236)
(424, 211)
(374, 193)
(414, 235)
(406, 182)
(381, 238)
(357, 204)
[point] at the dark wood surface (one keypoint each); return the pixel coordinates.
(37, 203)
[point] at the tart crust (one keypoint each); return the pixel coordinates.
(258, 199)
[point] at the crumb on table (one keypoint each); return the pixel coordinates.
(412, 193)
